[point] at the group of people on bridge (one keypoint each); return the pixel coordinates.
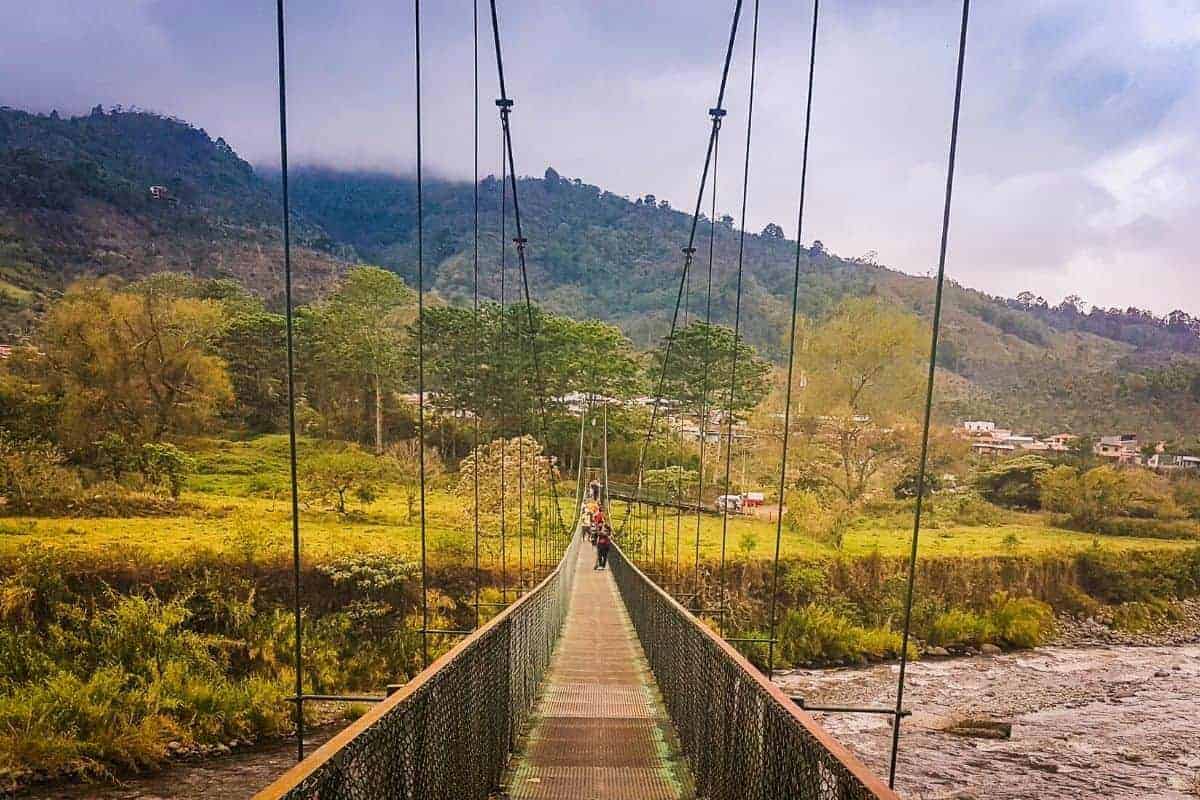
(596, 525)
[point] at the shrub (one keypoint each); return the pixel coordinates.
(822, 634)
(959, 626)
(1013, 483)
(971, 509)
(1021, 621)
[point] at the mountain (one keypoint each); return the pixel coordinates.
(75, 200)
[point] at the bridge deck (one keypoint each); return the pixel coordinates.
(599, 729)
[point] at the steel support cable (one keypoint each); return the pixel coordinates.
(787, 402)
(421, 340)
(702, 422)
(475, 302)
(737, 316)
(688, 251)
(505, 105)
(289, 316)
(933, 343)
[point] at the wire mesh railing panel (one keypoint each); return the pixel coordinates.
(448, 734)
(742, 737)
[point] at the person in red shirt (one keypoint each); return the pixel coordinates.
(603, 545)
(598, 518)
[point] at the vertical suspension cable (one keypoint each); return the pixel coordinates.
(933, 343)
(475, 300)
(702, 423)
(421, 340)
(503, 415)
(291, 377)
(787, 402)
(689, 251)
(737, 320)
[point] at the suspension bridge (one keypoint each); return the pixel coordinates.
(594, 683)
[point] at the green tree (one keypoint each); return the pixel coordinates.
(857, 389)
(356, 336)
(701, 350)
(336, 475)
(253, 345)
(1014, 482)
(137, 361)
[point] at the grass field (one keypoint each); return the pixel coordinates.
(238, 500)
(757, 537)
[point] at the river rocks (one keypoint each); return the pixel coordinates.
(937, 652)
(989, 650)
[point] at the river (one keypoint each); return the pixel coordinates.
(1114, 722)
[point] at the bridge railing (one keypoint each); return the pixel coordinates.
(449, 732)
(742, 736)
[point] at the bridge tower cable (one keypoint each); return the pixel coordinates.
(689, 252)
(289, 316)
(505, 105)
(478, 395)
(791, 362)
(737, 320)
(421, 339)
(933, 346)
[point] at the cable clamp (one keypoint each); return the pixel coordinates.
(505, 105)
(520, 241)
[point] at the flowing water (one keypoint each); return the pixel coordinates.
(1111, 722)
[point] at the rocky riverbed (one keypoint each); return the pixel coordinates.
(1108, 721)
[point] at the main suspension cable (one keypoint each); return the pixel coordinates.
(291, 377)
(689, 252)
(787, 402)
(737, 319)
(933, 343)
(505, 104)
(502, 416)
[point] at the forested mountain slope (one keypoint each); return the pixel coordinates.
(75, 200)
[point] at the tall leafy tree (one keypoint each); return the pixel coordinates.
(356, 337)
(137, 361)
(704, 356)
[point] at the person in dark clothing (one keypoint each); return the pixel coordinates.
(594, 488)
(603, 544)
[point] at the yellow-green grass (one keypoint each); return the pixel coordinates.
(1023, 534)
(238, 502)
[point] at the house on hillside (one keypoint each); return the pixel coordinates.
(1120, 449)
(978, 427)
(1060, 442)
(993, 448)
(1166, 462)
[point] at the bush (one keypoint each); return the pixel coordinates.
(818, 633)
(1013, 483)
(971, 509)
(1022, 621)
(34, 478)
(959, 626)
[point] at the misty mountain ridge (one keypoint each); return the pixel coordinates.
(76, 200)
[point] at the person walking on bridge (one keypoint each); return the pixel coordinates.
(594, 489)
(603, 545)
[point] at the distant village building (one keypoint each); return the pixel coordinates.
(5, 351)
(978, 427)
(1121, 449)
(1167, 462)
(159, 193)
(1060, 442)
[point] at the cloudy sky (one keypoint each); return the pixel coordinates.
(1079, 158)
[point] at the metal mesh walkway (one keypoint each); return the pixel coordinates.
(598, 730)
